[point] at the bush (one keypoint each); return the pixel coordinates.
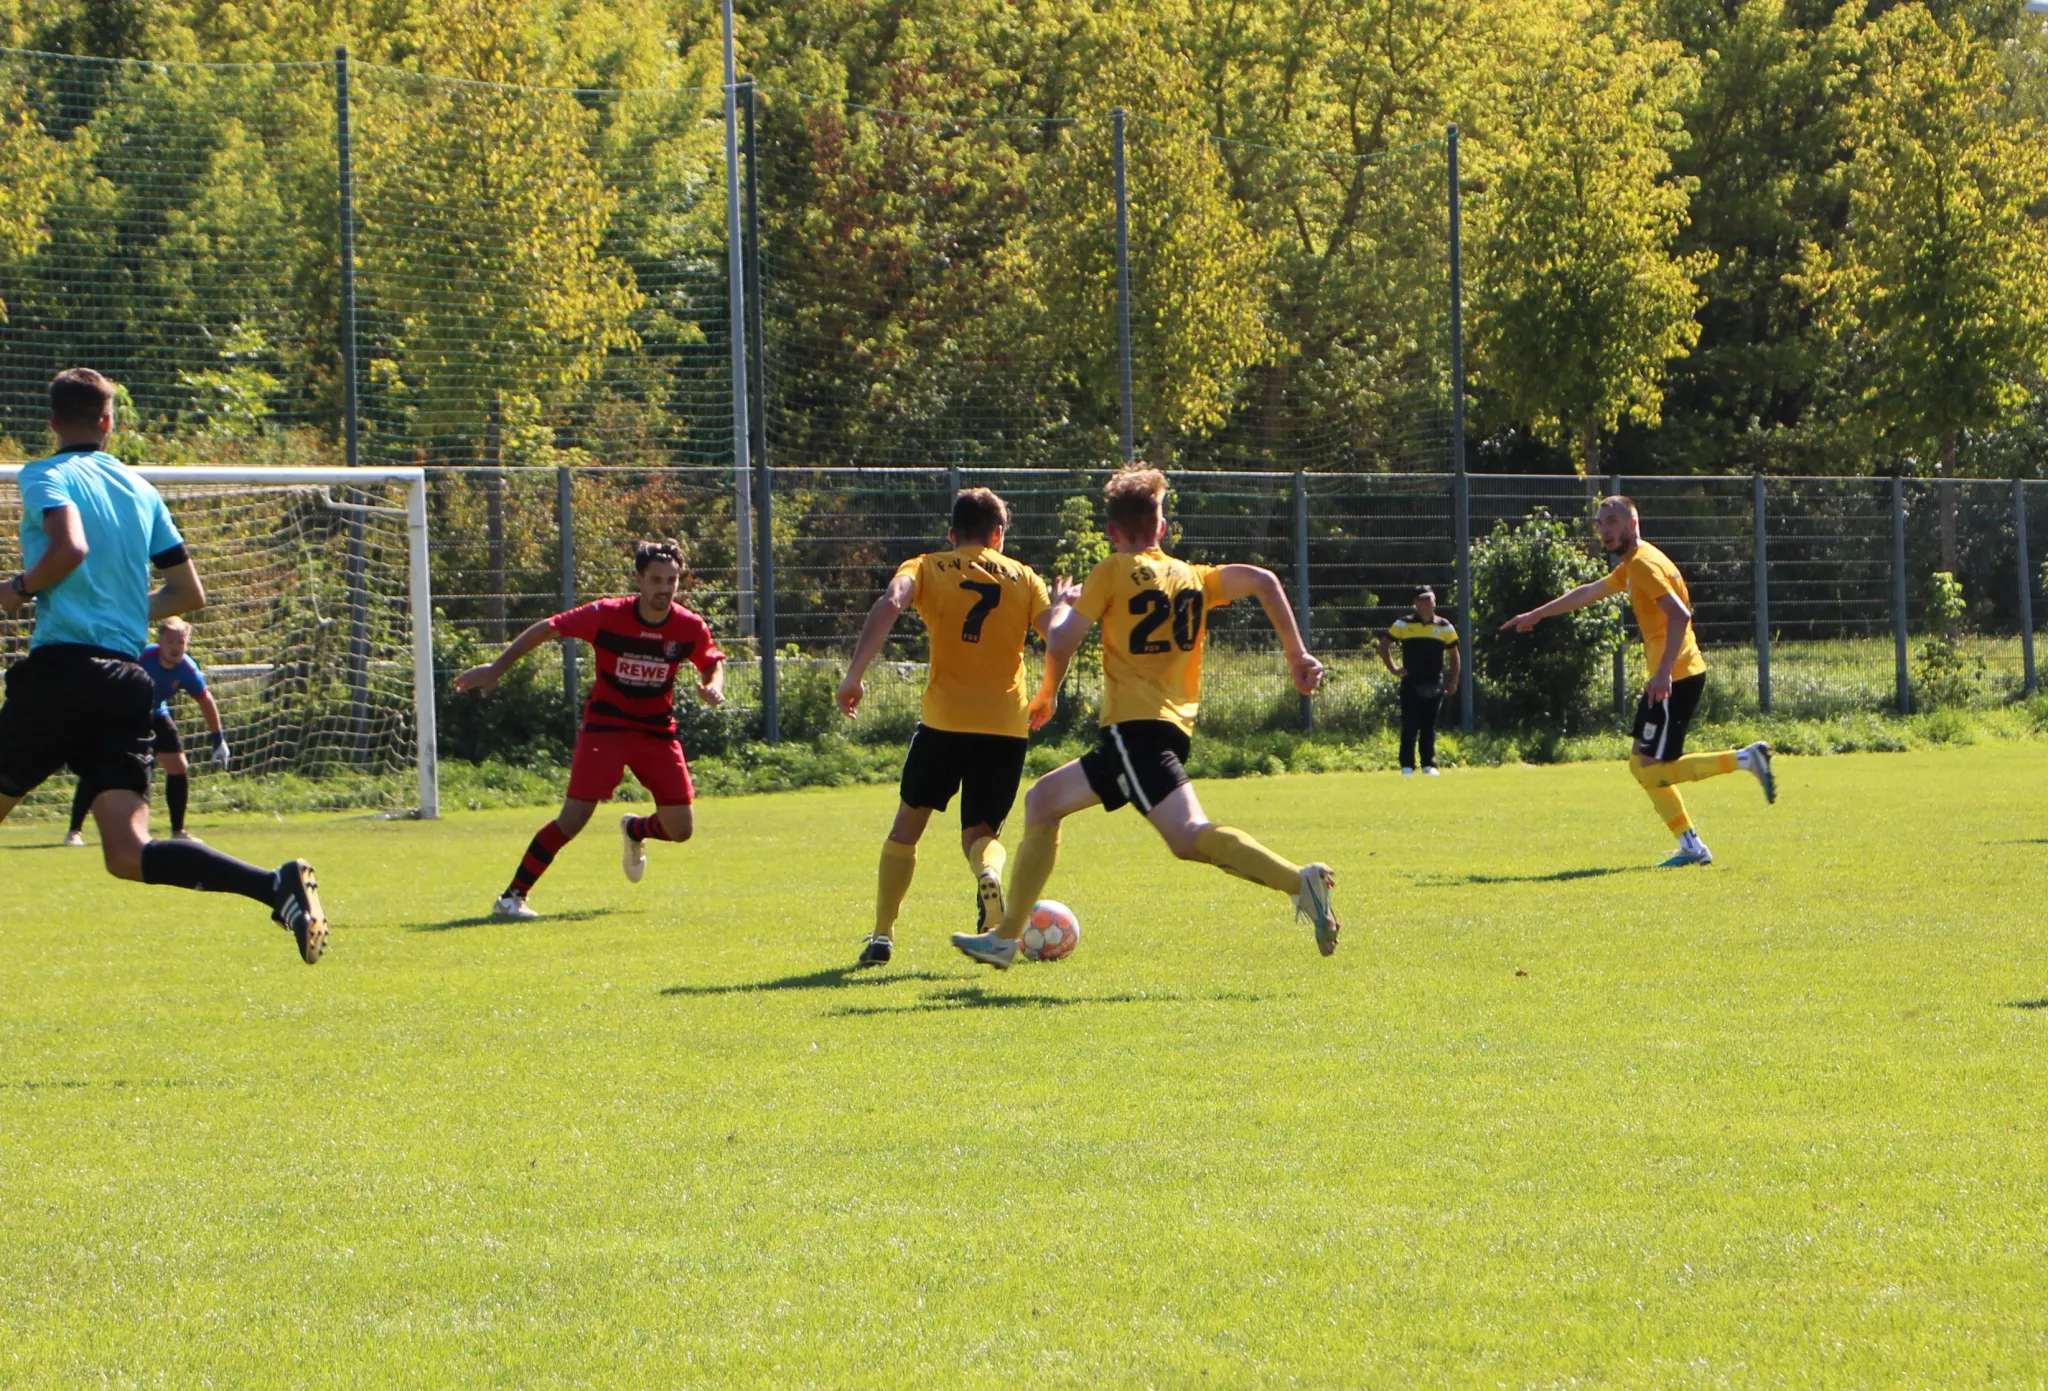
(1944, 674)
(522, 722)
(1544, 675)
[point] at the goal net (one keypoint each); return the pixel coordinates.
(316, 639)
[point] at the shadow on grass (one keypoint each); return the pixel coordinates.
(2026, 1004)
(1562, 876)
(569, 915)
(836, 978)
(980, 997)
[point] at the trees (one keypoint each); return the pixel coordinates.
(1581, 299)
(1940, 286)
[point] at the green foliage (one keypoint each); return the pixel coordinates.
(805, 690)
(1945, 674)
(1580, 300)
(524, 721)
(1544, 675)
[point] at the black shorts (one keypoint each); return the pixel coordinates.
(984, 769)
(166, 731)
(82, 706)
(1140, 762)
(1660, 729)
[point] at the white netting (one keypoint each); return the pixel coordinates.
(306, 641)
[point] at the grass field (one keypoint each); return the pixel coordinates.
(1547, 1117)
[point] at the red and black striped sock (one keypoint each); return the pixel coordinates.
(540, 853)
(645, 828)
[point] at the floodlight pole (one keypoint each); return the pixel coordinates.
(358, 592)
(1904, 680)
(1123, 290)
(2030, 681)
(764, 511)
(1761, 563)
(1461, 481)
(736, 296)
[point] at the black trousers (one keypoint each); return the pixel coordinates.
(1418, 722)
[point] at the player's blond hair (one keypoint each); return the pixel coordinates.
(1135, 498)
(1619, 501)
(174, 624)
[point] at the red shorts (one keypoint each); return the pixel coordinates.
(604, 755)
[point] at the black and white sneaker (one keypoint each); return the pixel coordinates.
(875, 951)
(1757, 759)
(298, 909)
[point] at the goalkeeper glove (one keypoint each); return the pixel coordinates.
(220, 747)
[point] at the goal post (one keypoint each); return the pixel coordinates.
(318, 635)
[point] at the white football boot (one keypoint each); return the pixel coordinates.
(633, 856)
(511, 908)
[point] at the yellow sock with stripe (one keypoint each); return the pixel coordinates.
(1036, 855)
(988, 857)
(1234, 852)
(892, 882)
(1663, 796)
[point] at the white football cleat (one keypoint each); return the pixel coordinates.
(74, 838)
(633, 858)
(1757, 759)
(1431, 772)
(987, 948)
(1313, 903)
(511, 908)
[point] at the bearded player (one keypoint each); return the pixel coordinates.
(1678, 675)
(977, 605)
(1154, 614)
(639, 643)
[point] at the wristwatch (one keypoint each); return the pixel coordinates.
(20, 588)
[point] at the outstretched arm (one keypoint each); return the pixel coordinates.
(1063, 629)
(873, 633)
(1589, 593)
(1241, 580)
(483, 678)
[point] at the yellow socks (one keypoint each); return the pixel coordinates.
(987, 856)
(1234, 852)
(1036, 855)
(1694, 766)
(1656, 780)
(892, 882)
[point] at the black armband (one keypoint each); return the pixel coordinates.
(172, 558)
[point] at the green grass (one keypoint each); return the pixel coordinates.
(1547, 1118)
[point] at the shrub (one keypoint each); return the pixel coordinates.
(522, 722)
(1546, 674)
(1944, 674)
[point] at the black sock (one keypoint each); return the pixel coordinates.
(81, 807)
(177, 789)
(188, 865)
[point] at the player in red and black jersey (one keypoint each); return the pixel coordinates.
(640, 643)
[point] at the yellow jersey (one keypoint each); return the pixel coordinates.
(977, 605)
(1153, 610)
(1646, 576)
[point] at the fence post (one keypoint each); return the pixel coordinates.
(358, 587)
(1308, 705)
(565, 531)
(1461, 483)
(1904, 682)
(736, 332)
(1123, 290)
(2029, 681)
(1760, 561)
(757, 417)
(1621, 710)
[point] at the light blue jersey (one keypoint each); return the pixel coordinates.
(105, 601)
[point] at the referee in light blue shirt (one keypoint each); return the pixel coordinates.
(90, 531)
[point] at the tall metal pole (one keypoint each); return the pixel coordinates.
(565, 531)
(2029, 681)
(1308, 705)
(1904, 682)
(1760, 563)
(736, 293)
(357, 567)
(1461, 482)
(1621, 652)
(1123, 291)
(764, 510)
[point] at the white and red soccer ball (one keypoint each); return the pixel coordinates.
(1052, 932)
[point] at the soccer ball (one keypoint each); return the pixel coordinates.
(1052, 933)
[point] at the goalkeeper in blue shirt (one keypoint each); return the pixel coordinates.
(171, 670)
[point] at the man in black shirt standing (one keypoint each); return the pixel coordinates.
(1429, 667)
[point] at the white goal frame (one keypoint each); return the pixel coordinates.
(419, 588)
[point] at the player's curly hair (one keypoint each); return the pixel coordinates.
(1135, 498)
(645, 553)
